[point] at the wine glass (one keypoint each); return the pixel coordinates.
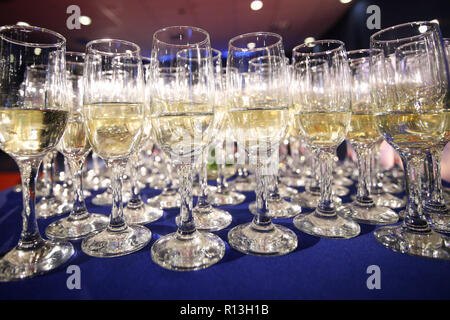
(137, 211)
(49, 205)
(258, 114)
(277, 205)
(435, 206)
(75, 147)
(207, 217)
(324, 111)
(411, 89)
(182, 120)
(113, 109)
(31, 125)
(363, 135)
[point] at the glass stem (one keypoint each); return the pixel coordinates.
(325, 207)
(79, 205)
(313, 184)
(135, 192)
(52, 166)
(117, 222)
(30, 236)
(363, 188)
(436, 191)
(414, 219)
(262, 211)
(186, 174)
(203, 180)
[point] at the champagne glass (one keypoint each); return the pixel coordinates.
(113, 109)
(31, 125)
(435, 206)
(324, 111)
(258, 113)
(75, 147)
(136, 210)
(411, 89)
(278, 207)
(207, 217)
(363, 135)
(182, 120)
(222, 195)
(49, 205)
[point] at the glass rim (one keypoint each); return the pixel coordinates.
(75, 54)
(58, 44)
(218, 54)
(341, 46)
(399, 26)
(241, 36)
(90, 49)
(366, 54)
(197, 29)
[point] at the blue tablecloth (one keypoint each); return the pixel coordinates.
(317, 269)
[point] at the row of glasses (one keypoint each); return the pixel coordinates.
(258, 115)
(323, 102)
(411, 99)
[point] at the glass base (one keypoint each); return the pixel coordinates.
(279, 209)
(343, 181)
(423, 244)
(334, 227)
(191, 252)
(209, 218)
(311, 200)
(75, 228)
(293, 181)
(197, 191)
(439, 215)
(112, 243)
(244, 186)
(286, 192)
(165, 200)
(374, 215)
(49, 207)
(388, 200)
(340, 191)
(141, 213)
(20, 264)
(266, 240)
(392, 188)
(105, 198)
(227, 198)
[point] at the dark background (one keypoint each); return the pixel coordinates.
(137, 20)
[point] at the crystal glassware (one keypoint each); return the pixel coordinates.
(31, 125)
(75, 147)
(258, 114)
(113, 110)
(363, 135)
(411, 89)
(323, 110)
(182, 122)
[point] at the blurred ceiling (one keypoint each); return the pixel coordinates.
(137, 20)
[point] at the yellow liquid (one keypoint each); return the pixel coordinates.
(411, 130)
(75, 142)
(182, 129)
(114, 129)
(26, 133)
(323, 129)
(363, 130)
(267, 124)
